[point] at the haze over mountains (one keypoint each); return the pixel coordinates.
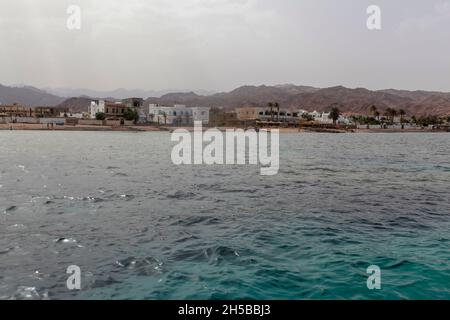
(290, 96)
(120, 93)
(28, 96)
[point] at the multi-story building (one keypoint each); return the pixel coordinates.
(115, 110)
(218, 117)
(97, 106)
(176, 115)
(133, 103)
(15, 110)
(273, 116)
(49, 112)
(278, 116)
(137, 104)
(248, 113)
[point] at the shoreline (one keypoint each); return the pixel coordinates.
(42, 127)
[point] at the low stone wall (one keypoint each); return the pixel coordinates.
(72, 121)
(66, 121)
(90, 122)
(112, 122)
(18, 120)
(27, 120)
(57, 121)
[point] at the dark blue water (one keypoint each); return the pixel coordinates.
(142, 228)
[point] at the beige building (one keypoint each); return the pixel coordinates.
(248, 113)
(49, 112)
(115, 110)
(15, 110)
(219, 117)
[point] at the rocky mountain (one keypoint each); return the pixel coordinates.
(356, 101)
(293, 97)
(80, 104)
(120, 93)
(28, 96)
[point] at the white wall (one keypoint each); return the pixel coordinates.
(200, 114)
(61, 121)
(95, 108)
(178, 115)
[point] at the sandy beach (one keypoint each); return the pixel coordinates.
(28, 126)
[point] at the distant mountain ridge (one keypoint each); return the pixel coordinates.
(309, 98)
(357, 101)
(120, 93)
(28, 96)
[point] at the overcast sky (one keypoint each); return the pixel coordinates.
(222, 44)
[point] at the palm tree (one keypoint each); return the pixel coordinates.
(394, 114)
(270, 105)
(100, 116)
(334, 114)
(387, 113)
(373, 110)
(277, 106)
(402, 114)
(390, 114)
(377, 115)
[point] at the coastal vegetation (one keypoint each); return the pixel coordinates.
(366, 120)
(100, 116)
(131, 115)
(307, 117)
(374, 111)
(334, 114)
(392, 116)
(428, 120)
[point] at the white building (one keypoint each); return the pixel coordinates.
(344, 120)
(302, 112)
(71, 115)
(326, 119)
(96, 106)
(317, 116)
(176, 115)
(200, 114)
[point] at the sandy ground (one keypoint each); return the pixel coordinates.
(26, 126)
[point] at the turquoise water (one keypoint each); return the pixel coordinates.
(142, 228)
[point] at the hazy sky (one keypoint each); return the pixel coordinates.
(222, 44)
